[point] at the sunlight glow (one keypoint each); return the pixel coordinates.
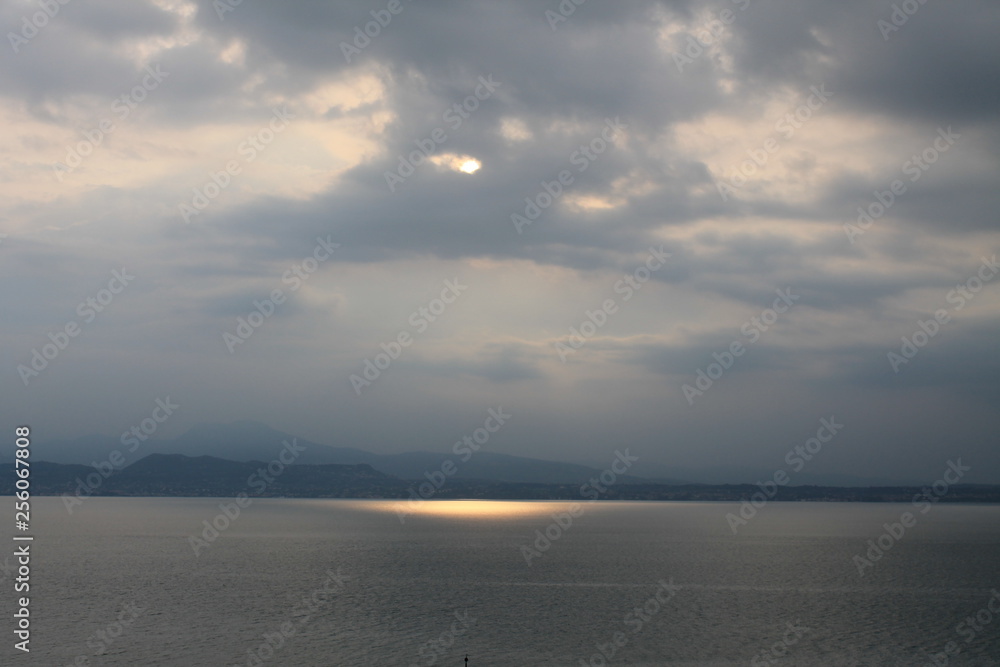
(468, 509)
(470, 166)
(465, 164)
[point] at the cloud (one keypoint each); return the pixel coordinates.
(592, 133)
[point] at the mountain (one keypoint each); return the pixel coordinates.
(488, 466)
(171, 475)
(179, 475)
(248, 440)
(238, 441)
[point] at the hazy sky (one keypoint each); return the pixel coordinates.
(687, 166)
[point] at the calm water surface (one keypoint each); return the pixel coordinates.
(352, 585)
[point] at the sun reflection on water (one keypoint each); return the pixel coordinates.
(468, 509)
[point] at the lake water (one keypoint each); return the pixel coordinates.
(669, 581)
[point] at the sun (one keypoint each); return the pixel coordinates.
(465, 164)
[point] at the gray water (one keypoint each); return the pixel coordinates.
(120, 577)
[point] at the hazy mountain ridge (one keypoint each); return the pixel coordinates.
(253, 441)
(176, 475)
(180, 475)
(246, 441)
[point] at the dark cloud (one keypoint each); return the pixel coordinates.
(684, 129)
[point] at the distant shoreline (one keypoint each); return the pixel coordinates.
(536, 500)
(209, 477)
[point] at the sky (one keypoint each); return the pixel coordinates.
(705, 231)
